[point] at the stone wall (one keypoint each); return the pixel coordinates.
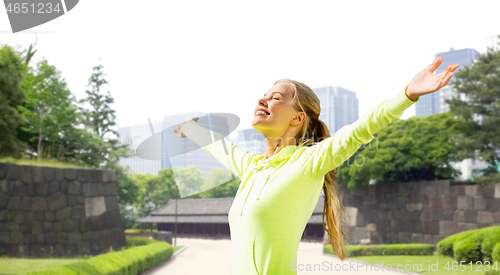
(47, 211)
(418, 212)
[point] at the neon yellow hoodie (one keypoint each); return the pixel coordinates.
(277, 196)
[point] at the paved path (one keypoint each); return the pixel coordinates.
(211, 257)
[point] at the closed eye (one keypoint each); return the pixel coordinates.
(276, 98)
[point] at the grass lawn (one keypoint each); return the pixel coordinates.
(420, 264)
(44, 162)
(25, 265)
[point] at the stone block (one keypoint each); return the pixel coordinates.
(427, 238)
(50, 217)
(442, 186)
(71, 225)
(42, 189)
(70, 174)
(54, 186)
(16, 237)
(72, 199)
(465, 202)
(404, 237)
(62, 237)
(458, 190)
(4, 215)
(414, 206)
(36, 227)
(4, 199)
(87, 236)
(29, 239)
(416, 237)
(49, 173)
(437, 238)
(426, 215)
(417, 226)
(473, 190)
(108, 175)
(107, 189)
(59, 174)
(13, 203)
(74, 237)
(57, 227)
(90, 190)
(63, 214)
(19, 216)
(51, 238)
(437, 202)
(446, 227)
(450, 202)
(382, 214)
(484, 217)
(459, 216)
(46, 226)
(40, 238)
(112, 203)
(479, 203)
(430, 188)
(487, 191)
(38, 204)
(25, 227)
(11, 226)
(57, 201)
(84, 175)
(371, 227)
(83, 247)
(94, 206)
(368, 200)
(431, 227)
(470, 215)
(3, 170)
(37, 174)
(75, 187)
(4, 237)
(78, 212)
(496, 217)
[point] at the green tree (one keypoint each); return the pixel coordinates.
(100, 118)
(12, 74)
(226, 190)
(49, 108)
(477, 100)
(416, 149)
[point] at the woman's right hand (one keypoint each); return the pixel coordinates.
(177, 130)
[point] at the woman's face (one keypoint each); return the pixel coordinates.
(280, 112)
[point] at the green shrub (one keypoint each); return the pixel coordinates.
(384, 249)
(445, 246)
(489, 243)
(132, 261)
(469, 248)
(138, 241)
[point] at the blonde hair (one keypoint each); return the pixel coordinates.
(315, 129)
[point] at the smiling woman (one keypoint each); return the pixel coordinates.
(280, 189)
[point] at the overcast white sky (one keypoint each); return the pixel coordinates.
(169, 57)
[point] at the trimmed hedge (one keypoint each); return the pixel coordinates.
(495, 255)
(132, 261)
(489, 243)
(384, 249)
(445, 246)
(469, 248)
(471, 245)
(138, 241)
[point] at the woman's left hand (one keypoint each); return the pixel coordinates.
(426, 82)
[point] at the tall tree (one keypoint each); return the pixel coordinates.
(49, 107)
(419, 148)
(476, 98)
(12, 74)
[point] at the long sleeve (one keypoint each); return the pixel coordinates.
(335, 150)
(230, 156)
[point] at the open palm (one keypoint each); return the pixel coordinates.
(426, 82)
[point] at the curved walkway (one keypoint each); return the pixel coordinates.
(211, 257)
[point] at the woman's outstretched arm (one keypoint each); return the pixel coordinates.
(230, 156)
(335, 150)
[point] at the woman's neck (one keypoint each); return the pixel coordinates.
(275, 145)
